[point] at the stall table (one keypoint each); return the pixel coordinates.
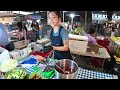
(102, 53)
(90, 74)
(85, 74)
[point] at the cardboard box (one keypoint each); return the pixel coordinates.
(21, 44)
(93, 48)
(16, 54)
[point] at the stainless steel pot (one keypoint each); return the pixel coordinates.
(68, 66)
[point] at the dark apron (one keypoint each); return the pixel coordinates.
(57, 41)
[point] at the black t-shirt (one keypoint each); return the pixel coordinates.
(113, 28)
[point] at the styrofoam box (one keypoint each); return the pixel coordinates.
(78, 46)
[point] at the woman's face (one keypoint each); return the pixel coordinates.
(34, 23)
(94, 34)
(53, 19)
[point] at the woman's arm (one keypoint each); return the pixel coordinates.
(62, 48)
(100, 46)
(18, 35)
(24, 34)
(89, 44)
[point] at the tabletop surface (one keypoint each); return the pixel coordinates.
(86, 74)
(81, 48)
(90, 74)
(101, 54)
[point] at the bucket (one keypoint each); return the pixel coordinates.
(68, 66)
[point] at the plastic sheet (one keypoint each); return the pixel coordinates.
(30, 60)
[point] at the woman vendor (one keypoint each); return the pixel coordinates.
(58, 37)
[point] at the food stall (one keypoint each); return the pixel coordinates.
(34, 60)
(38, 63)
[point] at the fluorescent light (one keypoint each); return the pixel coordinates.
(72, 15)
(2, 11)
(65, 11)
(38, 20)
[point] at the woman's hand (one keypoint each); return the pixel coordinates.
(100, 46)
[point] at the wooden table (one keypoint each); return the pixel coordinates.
(102, 53)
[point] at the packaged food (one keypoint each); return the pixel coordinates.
(34, 75)
(8, 65)
(17, 73)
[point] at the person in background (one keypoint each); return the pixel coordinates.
(91, 38)
(40, 30)
(95, 26)
(113, 30)
(98, 29)
(35, 27)
(75, 25)
(58, 37)
(21, 34)
(4, 38)
(25, 29)
(68, 26)
(44, 31)
(24, 26)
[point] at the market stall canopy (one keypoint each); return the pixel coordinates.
(8, 14)
(13, 13)
(32, 17)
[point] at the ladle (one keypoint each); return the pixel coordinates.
(63, 71)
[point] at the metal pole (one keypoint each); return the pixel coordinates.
(72, 20)
(47, 17)
(85, 19)
(63, 16)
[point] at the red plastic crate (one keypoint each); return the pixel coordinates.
(103, 43)
(44, 55)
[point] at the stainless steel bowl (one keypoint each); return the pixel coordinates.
(69, 69)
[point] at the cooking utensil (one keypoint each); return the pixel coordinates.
(46, 65)
(69, 69)
(60, 68)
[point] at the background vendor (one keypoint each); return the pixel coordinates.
(58, 37)
(21, 34)
(91, 38)
(4, 38)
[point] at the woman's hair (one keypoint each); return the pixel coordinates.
(20, 26)
(57, 13)
(33, 25)
(92, 31)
